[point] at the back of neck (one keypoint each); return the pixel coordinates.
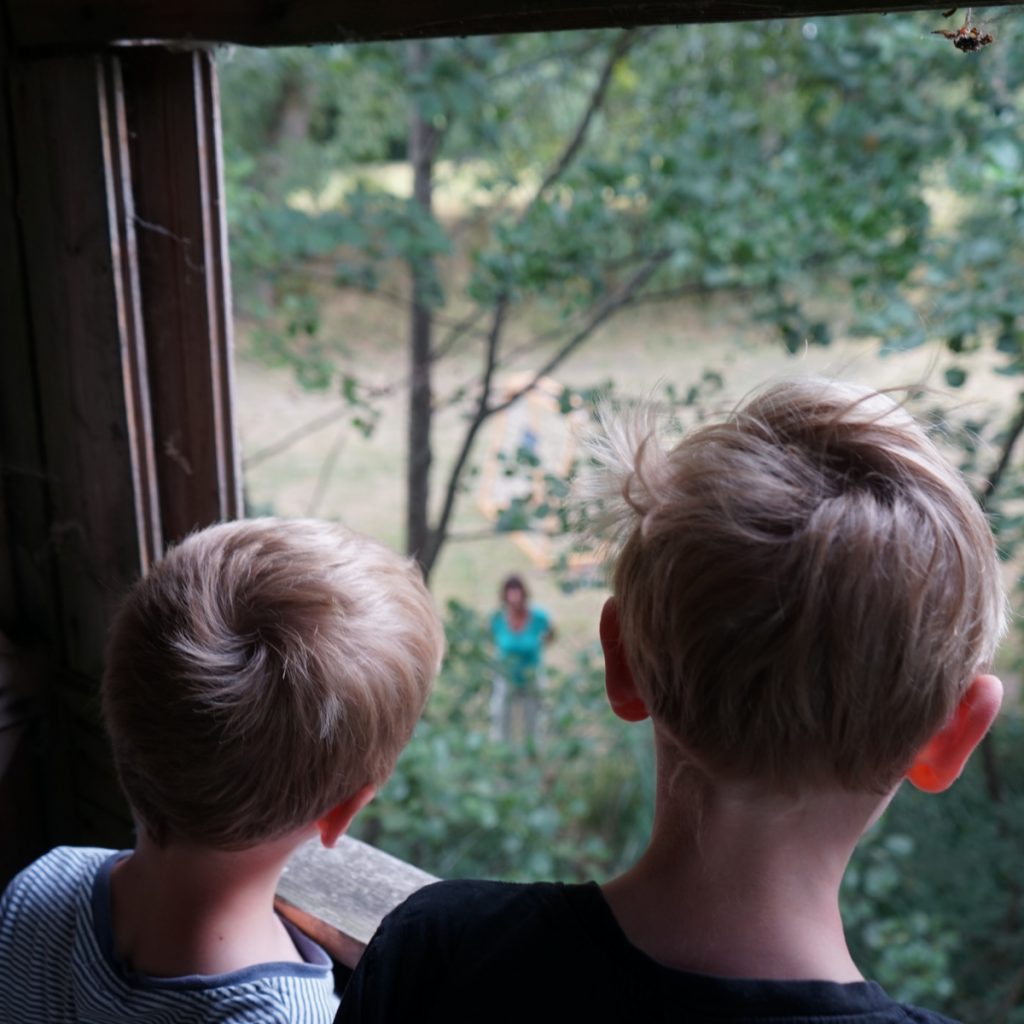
(181, 910)
(749, 888)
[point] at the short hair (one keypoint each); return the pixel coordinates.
(514, 582)
(261, 673)
(805, 589)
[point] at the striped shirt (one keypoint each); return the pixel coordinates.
(57, 962)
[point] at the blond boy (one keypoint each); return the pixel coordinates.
(806, 604)
(261, 680)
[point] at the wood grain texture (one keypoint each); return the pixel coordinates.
(179, 221)
(90, 23)
(128, 300)
(71, 259)
(72, 200)
(27, 607)
(339, 896)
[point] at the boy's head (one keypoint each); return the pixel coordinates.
(805, 590)
(260, 674)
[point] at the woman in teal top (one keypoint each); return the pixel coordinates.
(520, 631)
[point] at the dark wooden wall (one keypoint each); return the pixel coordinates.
(115, 377)
(76, 23)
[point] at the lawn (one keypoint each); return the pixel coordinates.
(336, 472)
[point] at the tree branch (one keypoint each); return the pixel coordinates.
(995, 478)
(989, 756)
(572, 54)
(395, 297)
(484, 410)
(323, 478)
(293, 437)
(625, 41)
(600, 315)
(623, 44)
(458, 330)
(282, 444)
(540, 340)
(490, 532)
(440, 531)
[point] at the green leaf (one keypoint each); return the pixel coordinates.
(955, 376)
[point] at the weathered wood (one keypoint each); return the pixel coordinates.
(21, 686)
(20, 813)
(90, 23)
(79, 322)
(179, 219)
(339, 896)
(82, 363)
(8, 590)
(28, 609)
(121, 219)
(86, 501)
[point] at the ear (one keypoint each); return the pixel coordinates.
(333, 825)
(623, 695)
(943, 758)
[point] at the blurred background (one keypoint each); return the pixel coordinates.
(444, 253)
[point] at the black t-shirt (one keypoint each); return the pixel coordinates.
(497, 951)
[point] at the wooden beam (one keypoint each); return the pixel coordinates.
(27, 607)
(339, 896)
(91, 23)
(116, 313)
(82, 325)
(127, 299)
(78, 493)
(179, 221)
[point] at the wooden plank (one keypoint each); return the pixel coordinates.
(339, 896)
(22, 684)
(8, 591)
(80, 497)
(128, 302)
(37, 795)
(181, 237)
(90, 23)
(81, 482)
(21, 817)
(83, 323)
(99, 518)
(28, 605)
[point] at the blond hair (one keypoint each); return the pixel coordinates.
(805, 589)
(264, 671)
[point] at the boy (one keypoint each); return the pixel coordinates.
(260, 684)
(806, 599)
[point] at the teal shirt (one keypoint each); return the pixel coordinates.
(520, 652)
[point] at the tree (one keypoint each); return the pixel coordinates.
(771, 162)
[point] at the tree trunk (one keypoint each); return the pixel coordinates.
(422, 149)
(289, 129)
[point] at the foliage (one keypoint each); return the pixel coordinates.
(833, 176)
(798, 165)
(576, 806)
(933, 900)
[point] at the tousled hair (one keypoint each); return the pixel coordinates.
(805, 589)
(261, 673)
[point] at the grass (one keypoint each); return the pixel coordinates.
(641, 347)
